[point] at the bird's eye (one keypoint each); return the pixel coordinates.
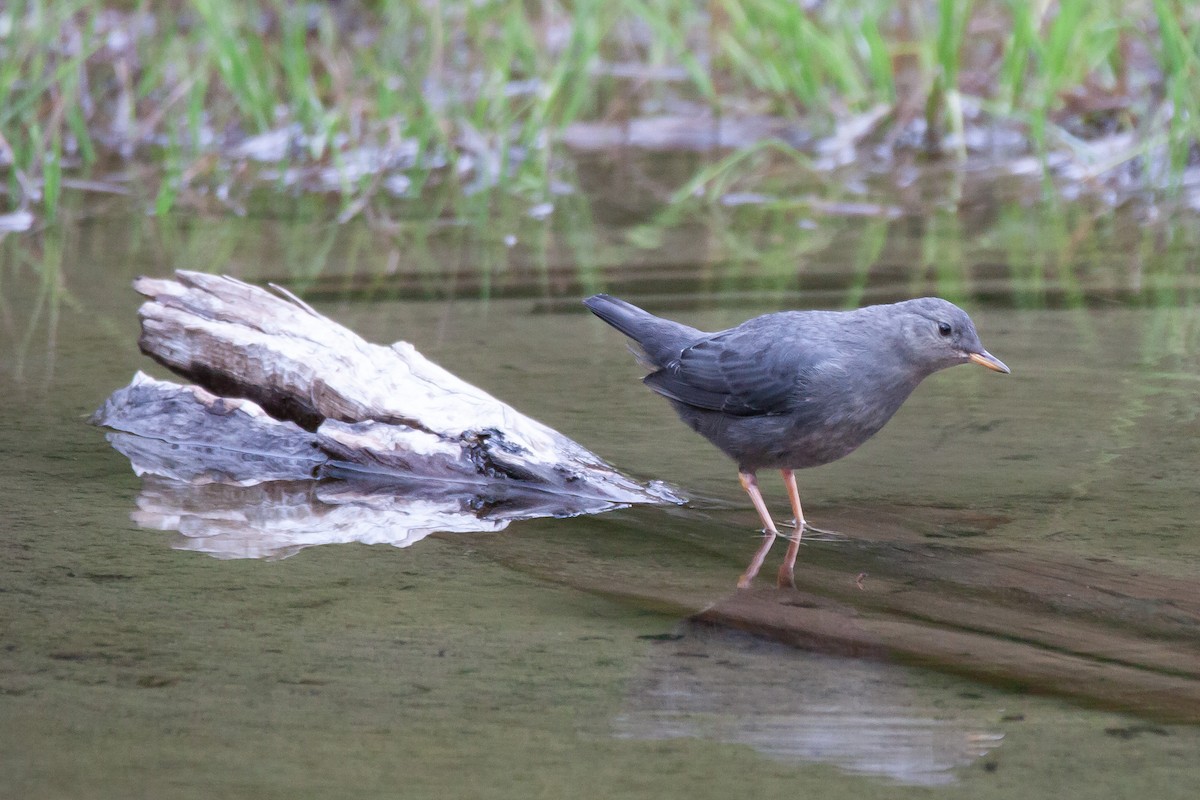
(944, 328)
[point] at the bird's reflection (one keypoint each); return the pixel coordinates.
(862, 716)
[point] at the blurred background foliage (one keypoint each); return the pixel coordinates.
(199, 103)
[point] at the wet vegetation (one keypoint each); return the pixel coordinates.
(455, 103)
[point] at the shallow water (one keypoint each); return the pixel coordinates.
(561, 657)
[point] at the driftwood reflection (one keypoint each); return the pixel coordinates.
(278, 519)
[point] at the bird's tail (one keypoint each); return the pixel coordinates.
(660, 339)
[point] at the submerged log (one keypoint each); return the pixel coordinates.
(284, 393)
(1109, 635)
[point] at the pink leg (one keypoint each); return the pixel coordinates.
(787, 571)
(750, 484)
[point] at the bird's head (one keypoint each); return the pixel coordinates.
(938, 334)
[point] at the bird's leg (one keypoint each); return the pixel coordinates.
(750, 484)
(787, 571)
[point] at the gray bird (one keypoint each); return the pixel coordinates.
(796, 389)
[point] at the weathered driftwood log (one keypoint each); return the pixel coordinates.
(237, 483)
(285, 393)
(189, 434)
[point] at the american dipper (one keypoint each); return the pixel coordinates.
(796, 389)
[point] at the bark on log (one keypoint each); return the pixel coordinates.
(285, 393)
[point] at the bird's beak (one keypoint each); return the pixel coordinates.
(986, 359)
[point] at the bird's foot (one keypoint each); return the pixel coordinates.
(809, 531)
(823, 534)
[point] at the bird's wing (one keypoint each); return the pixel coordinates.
(743, 372)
